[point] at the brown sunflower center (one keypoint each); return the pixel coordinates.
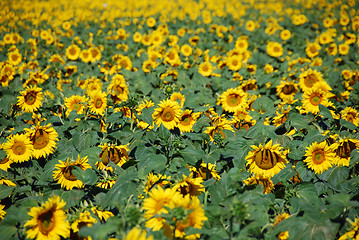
(14, 57)
(266, 159)
(350, 117)
(249, 86)
(167, 114)
(186, 120)
(30, 98)
(118, 90)
(68, 173)
(318, 156)
(46, 221)
(72, 51)
(288, 89)
(276, 49)
(344, 149)
(98, 103)
(310, 80)
(315, 100)
(40, 139)
(19, 148)
(233, 100)
(205, 68)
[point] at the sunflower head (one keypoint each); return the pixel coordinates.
(320, 157)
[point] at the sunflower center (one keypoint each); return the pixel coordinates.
(167, 115)
(249, 86)
(72, 51)
(318, 156)
(205, 68)
(233, 100)
(30, 98)
(46, 222)
(276, 49)
(310, 80)
(344, 150)
(76, 106)
(68, 173)
(40, 139)
(266, 159)
(14, 57)
(288, 89)
(19, 148)
(186, 120)
(315, 100)
(98, 103)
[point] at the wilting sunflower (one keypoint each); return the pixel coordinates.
(158, 180)
(186, 120)
(75, 102)
(351, 115)
(30, 99)
(190, 186)
(353, 233)
(63, 172)
(267, 160)
(116, 154)
(233, 99)
(286, 90)
(343, 149)
(312, 98)
(308, 78)
(84, 220)
(265, 181)
(167, 113)
(98, 102)
(48, 221)
(18, 148)
(43, 139)
(137, 234)
(320, 157)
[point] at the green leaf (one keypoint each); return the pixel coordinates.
(87, 176)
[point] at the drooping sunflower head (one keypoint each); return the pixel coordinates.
(190, 186)
(167, 113)
(320, 157)
(267, 160)
(18, 148)
(30, 99)
(287, 89)
(116, 154)
(265, 181)
(343, 149)
(205, 171)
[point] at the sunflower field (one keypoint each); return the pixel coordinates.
(183, 119)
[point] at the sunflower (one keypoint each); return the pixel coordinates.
(107, 182)
(84, 220)
(48, 221)
(18, 148)
(186, 120)
(265, 181)
(279, 218)
(312, 49)
(218, 124)
(286, 90)
(233, 99)
(312, 98)
(73, 52)
(285, 34)
(2, 212)
(75, 102)
(137, 234)
(351, 115)
(353, 233)
(250, 26)
(267, 160)
(98, 102)
(144, 104)
(343, 49)
(118, 89)
(186, 50)
(86, 56)
(274, 49)
(167, 113)
(63, 172)
(343, 149)
(116, 154)
(190, 186)
(15, 57)
(234, 62)
(247, 85)
(308, 78)
(158, 180)
(178, 96)
(95, 54)
(205, 171)
(241, 44)
(102, 215)
(5, 164)
(320, 157)
(43, 139)
(7, 182)
(172, 58)
(205, 69)
(30, 99)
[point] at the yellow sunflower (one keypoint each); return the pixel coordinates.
(312, 98)
(218, 124)
(116, 154)
(178, 96)
(156, 179)
(73, 52)
(265, 181)
(167, 113)
(18, 148)
(15, 57)
(30, 99)
(286, 90)
(234, 62)
(205, 171)
(308, 78)
(312, 49)
(43, 139)
(267, 160)
(190, 186)
(186, 50)
(343, 149)
(353, 234)
(63, 172)
(274, 49)
(137, 234)
(102, 215)
(144, 104)
(48, 221)
(75, 102)
(84, 220)
(186, 120)
(232, 100)
(320, 157)
(2, 212)
(205, 69)
(98, 102)
(86, 55)
(5, 164)
(118, 89)
(106, 183)
(351, 115)
(279, 218)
